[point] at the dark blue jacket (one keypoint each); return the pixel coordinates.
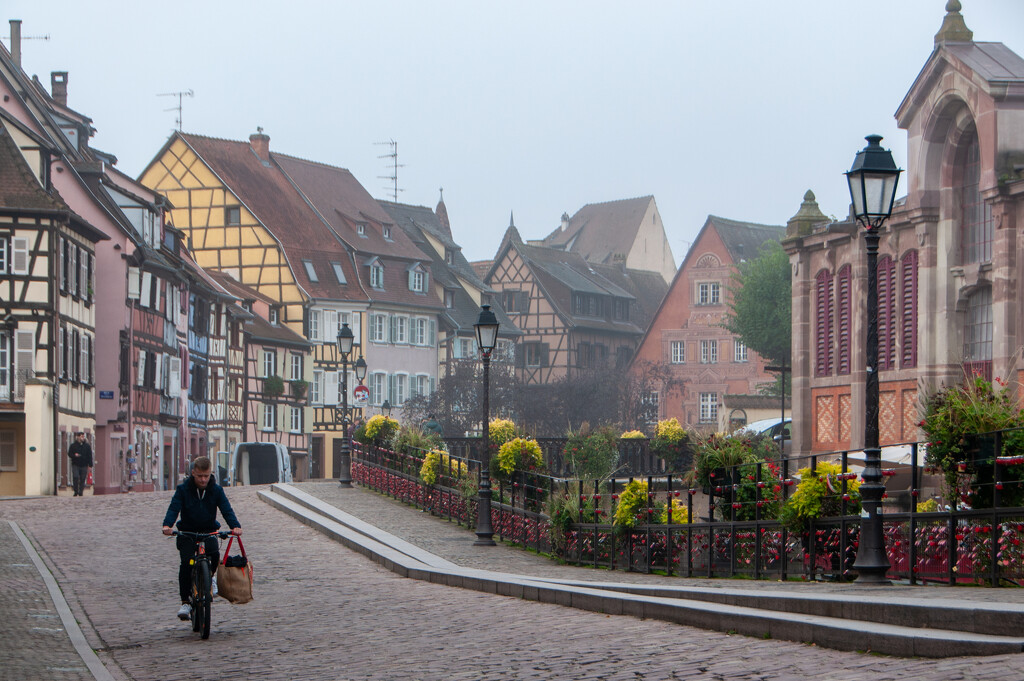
(198, 508)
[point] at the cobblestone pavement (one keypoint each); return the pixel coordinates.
(323, 612)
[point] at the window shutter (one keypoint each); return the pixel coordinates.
(91, 280)
(147, 283)
(140, 371)
(83, 358)
(823, 324)
(412, 275)
(331, 389)
(843, 320)
(357, 327)
(261, 417)
(908, 318)
(19, 255)
(394, 329)
(520, 355)
(73, 269)
(158, 371)
(432, 331)
(544, 354)
(61, 360)
(433, 384)
(60, 267)
(886, 313)
(174, 377)
(83, 272)
(24, 355)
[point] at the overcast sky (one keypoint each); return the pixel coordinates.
(726, 107)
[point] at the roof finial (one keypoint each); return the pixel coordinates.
(954, 29)
(441, 189)
(511, 219)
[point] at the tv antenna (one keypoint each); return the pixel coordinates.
(179, 95)
(393, 166)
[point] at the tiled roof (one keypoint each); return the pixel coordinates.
(19, 187)
(743, 240)
(600, 231)
(344, 203)
(260, 329)
(267, 193)
(237, 288)
(994, 62)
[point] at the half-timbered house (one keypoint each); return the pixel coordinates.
(688, 336)
(136, 431)
(243, 216)
(47, 318)
(456, 284)
(574, 315)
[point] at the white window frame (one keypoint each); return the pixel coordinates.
(314, 325)
(399, 389)
(295, 366)
(709, 352)
(19, 252)
(709, 293)
(296, 420)
(400, 330)
(377, 276)
(3, 260)
(269, 363)
(709, 407)
(739, 351)
(269, 417)
(5, 363)
(379, 328)
(677, 349)
(316, 388)
(378, 385)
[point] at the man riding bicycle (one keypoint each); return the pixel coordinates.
(197, 500)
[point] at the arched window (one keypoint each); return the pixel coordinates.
(978, 334)
(975, 214)
(844, 330)
(823, 329)
(908, 310)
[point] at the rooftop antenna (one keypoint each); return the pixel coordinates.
(394, 166)
(179, 95)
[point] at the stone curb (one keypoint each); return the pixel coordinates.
(840, 633)
(85, 651)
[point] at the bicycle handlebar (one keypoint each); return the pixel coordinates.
(200, 535)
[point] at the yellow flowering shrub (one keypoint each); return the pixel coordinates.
(632, 435)
(501, 431)
(438, 462)
(680, 513)
(380, 428)
(520, 454)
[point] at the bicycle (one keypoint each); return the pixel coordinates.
(202, 580)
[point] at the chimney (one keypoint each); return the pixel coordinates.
(59, 87)
(16, 42)
(565, 221)
(260, 144)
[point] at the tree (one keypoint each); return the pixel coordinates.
(457, 404)
(760, 311)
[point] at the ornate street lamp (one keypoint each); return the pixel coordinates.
(345, 341)
(385, 409)
(873, 179)
(486, 338)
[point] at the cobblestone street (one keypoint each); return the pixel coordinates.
(324, 612)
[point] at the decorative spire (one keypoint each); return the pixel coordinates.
(511, 219)
(442, 213)
(954, 29)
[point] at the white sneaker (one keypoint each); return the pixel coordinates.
(214, 581)
(184, 611)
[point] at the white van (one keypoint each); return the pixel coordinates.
(259, 463)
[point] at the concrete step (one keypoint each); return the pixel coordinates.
(850, 625)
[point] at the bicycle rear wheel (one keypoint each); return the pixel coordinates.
(204, 600)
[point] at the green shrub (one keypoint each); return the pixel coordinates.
(379, 430)
(412, 438)
(819, 495)
(593, 455)
(671, 443)
(520, 454)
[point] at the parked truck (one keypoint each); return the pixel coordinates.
(259, 463)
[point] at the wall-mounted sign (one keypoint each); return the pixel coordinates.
(106, 394)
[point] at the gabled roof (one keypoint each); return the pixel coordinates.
(238, 289)
(342, 202)
(269, 195)
(600, 231)
(743, 240)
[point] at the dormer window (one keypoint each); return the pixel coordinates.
(386, 231)
(361, 229)
(449, 256)
(417, 279)
(376, 272)
(275, 315)
(449, 299)
(310, 271)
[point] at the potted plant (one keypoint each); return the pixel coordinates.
(273, 386)
(671, 443)
(299, 388)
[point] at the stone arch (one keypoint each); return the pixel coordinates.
(707, 261)
(944, 133)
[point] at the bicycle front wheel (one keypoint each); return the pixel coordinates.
(205, 598)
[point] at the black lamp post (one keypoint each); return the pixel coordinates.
(345, 341)
(486, 338)
(873, 179)
(385, 409)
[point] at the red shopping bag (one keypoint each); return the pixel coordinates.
(88, 479)
(234, 575)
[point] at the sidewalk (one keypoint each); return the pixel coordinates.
(454, 543)
(32, 626)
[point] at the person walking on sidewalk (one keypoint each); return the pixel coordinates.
(80, 454)
(197, 500)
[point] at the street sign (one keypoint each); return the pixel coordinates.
(106, 394)
(360, 396)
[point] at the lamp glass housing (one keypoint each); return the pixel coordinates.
(873, 179)
(345, 340)
(360, 367)
(486, 330)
